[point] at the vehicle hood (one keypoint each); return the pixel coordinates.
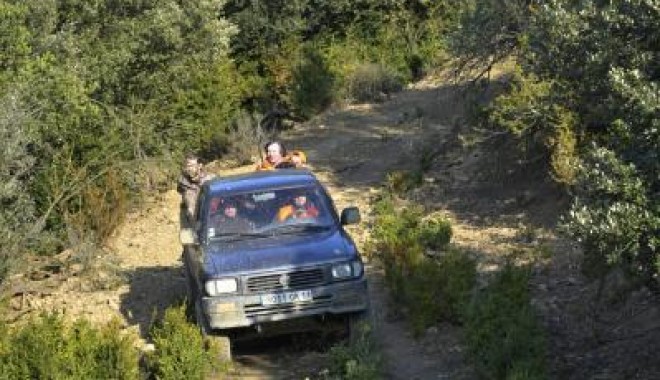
(277, 252)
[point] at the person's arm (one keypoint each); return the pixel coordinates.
(312, 211)
(284, 213)
(190, 201)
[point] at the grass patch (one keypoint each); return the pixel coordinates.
(358, 360)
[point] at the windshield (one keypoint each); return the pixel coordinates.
(269, 212)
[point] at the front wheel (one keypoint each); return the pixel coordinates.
(359, 325)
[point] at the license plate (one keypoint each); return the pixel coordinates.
(286, 297)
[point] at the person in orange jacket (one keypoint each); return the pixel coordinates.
(300, 208)
(298, 158)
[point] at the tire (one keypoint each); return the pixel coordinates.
(359, 324)
(220, 344)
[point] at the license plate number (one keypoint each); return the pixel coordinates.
(286, 297)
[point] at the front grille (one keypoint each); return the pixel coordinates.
(258, 310)
(301, 279)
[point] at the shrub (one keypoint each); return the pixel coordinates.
(438, 290)
(432, 290)
(47, 348)
(501, 329)
(613, 218)
(312, 84)
(180, 349)
(17, 214)
(435, 233)
(371, 81)
(399, 182)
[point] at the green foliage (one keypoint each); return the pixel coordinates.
(109, 85)
(17, 214)
(47, 348)
(488, 32)
(402, 37)
(312, 84)
(370, 82)
(530, 111)
(613, 217)
(435, 233)
(399, 182)
(358, 360)
(439, 290)
(501, 329)
(431, 289)
(180, 350)
(589, 79)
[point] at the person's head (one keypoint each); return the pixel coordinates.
(299, 198)
(191, 166)
(298, 158)
(275, 151)
(230, 210)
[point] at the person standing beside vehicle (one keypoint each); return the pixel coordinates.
(191, 179)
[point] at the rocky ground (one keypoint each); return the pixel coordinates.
(499, 205)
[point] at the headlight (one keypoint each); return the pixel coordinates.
(357, 268)
(220, 286)
(346, 270)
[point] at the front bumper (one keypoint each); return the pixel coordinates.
(247, 310)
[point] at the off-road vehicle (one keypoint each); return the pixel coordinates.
(283, 264)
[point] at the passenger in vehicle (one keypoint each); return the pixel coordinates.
(191, 179)
(229, 220)
(300, 207)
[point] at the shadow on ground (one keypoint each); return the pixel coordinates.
(152, 290)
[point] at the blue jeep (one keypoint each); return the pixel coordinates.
(269, 247)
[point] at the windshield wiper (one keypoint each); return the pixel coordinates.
(297, 228)
(238, 235)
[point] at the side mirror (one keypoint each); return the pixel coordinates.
(350, 215)
(187, 236)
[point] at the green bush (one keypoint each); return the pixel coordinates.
(399, 182)
(180, 348)
(501, 329)
(371, 82)
(312, 84)
(438, 290)
(432, 290)
(435, 233)
(47, 348)
(613, 218)
(582, 90)
(17, 214)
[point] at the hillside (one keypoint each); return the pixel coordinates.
(498, 203)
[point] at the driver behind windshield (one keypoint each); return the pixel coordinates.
(300, 207)
(229, 220)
